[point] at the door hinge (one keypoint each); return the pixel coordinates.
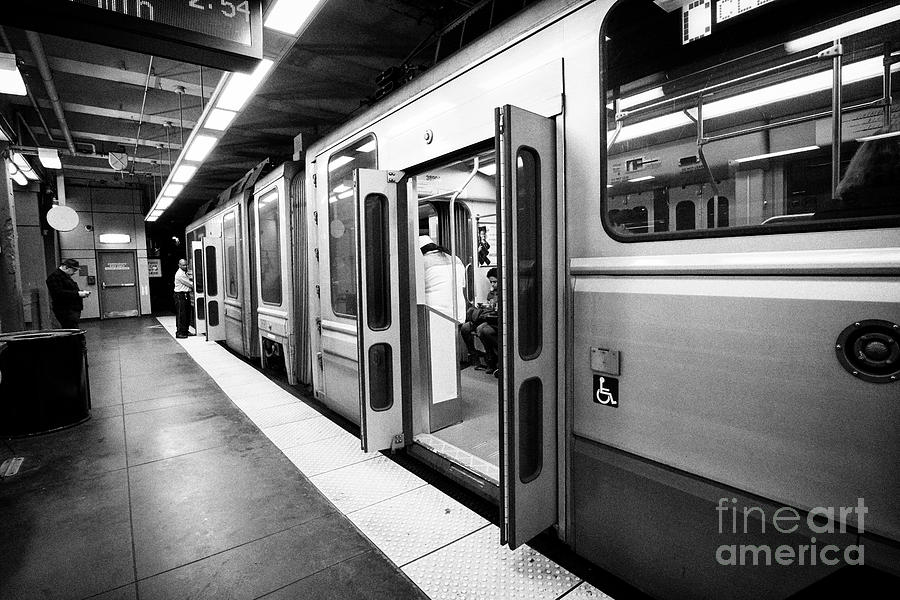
(397, 442)
(318, 291)
(394, 176)
(316, 217)
(314, 179)
(316, 251)
(500, 123)
(319, 325)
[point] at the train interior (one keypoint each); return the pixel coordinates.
(459, 357)
(742, 140)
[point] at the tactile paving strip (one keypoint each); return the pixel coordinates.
(586, 591)
(365, 483)
(303, 432)
(460, 457)
(413, 524)
(316, 458)
(281, 414)
(477, 567)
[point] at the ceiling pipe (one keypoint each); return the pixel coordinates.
(37, 49)
(31, 97)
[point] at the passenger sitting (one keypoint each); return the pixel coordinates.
(481, 321)
(871, 185)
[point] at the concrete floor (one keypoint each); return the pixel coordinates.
(169, 491)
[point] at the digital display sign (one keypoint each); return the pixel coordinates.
(225, 34)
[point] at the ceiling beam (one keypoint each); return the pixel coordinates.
(99, 111)
(118, 139)
(84, 69)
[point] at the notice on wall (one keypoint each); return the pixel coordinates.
(154, 266)
(116, 267)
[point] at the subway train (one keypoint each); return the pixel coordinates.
(694, 213)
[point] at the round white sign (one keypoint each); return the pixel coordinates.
(62, 218)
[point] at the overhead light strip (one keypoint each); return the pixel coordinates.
(844, 30)
(290, 16)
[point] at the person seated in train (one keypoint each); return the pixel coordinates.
(439, 293)
(871, 184)
(476, 316)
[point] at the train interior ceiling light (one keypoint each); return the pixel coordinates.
(11, 81)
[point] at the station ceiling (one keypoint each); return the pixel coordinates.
(115, 100)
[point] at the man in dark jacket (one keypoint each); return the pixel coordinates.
(65, 297)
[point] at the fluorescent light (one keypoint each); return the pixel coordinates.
(114, 238)
(172, 190)
(241, 86)
(183, 173)
(338, 162)
(843, 30)
(164, 203)
(341, 188)
(156, 213)
(24, 166)
(644, 178)
(16, 174)
(10, 79)
(200, 147)
(879, 136)
(795, 88)
(738, 161)
(640, 98)
(49, 157)
(288, 16)
(151, 219)
(219, 119)
(367, 147)
(346, 194)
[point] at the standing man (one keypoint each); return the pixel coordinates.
(65, 296)
(183, 287)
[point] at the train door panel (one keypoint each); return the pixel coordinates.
(233, 299)
(199, 286)
(526, 155)
(383, 301)
(212, 269)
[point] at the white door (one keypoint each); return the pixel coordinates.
(526, 155)
(383, 309)
(212, 271)
(199, 286)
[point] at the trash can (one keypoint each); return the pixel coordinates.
(43, 381)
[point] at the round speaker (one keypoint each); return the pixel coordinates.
(870, 350)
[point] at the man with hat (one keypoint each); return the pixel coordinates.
(65, 296)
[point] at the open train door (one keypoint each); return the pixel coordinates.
(526, 155)
(199, 287)
(215, 308)
(384, 291)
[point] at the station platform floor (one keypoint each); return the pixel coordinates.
(199, 477)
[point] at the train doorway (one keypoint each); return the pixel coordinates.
(458, 317)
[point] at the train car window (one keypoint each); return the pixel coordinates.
(378, 256)
(740, 119)
(342, 221)
(229, 230)
(212, 271)
(269, 208)
(198, 270)
(528, 252)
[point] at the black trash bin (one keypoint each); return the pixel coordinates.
(43, 381)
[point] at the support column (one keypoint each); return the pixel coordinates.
(12, 316)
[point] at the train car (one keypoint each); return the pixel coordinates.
(222, 254)
(693, 211)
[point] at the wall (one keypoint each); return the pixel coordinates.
(32, 263)
(105, 210)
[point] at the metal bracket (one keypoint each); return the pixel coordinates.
(394, 176)
(397, 442)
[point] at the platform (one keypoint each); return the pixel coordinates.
(199, 477)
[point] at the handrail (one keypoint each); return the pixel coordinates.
(453, 258)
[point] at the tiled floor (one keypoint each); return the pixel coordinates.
(198, 477)
(171, 491)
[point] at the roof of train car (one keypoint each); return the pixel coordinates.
(116, 100)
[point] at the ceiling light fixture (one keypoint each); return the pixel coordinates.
(16, 174)
(289, 16)
(24, 166)
(746, 159)
(199, 147)
(114, 238)
(49, 157)
(240, 87)
(219, 119)
(11, 81)
(183, 173)
(843, 30)
(164, 203)
(878, 136)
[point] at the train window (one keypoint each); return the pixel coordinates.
(528, 252)
(212, 271)
(378, 256)
(198, 270)
(342, 221)
(740, 120)
(269, 223)
(229, 230)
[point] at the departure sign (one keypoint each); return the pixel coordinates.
(217, 18)
(226, 34)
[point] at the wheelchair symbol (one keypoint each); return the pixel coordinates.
(603, 395)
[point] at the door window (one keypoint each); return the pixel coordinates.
(269, 207)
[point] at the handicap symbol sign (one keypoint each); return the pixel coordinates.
(606, 390)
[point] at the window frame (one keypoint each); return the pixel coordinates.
(259, 241)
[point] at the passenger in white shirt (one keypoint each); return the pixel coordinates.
(183, 287)
(439, 280)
